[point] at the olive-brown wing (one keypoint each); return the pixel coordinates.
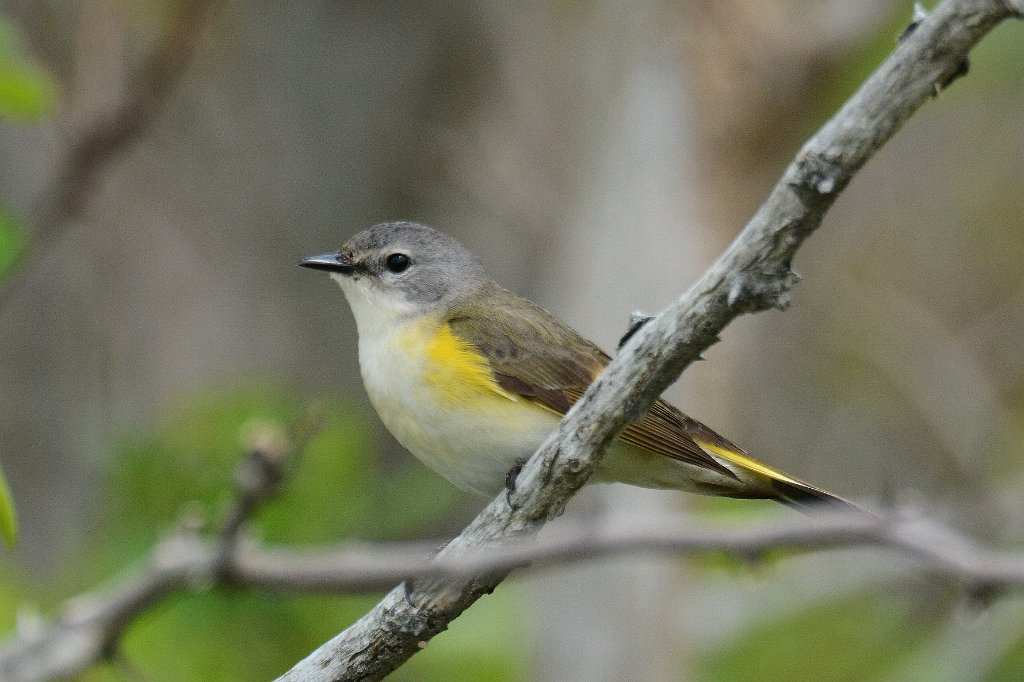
(537, 356)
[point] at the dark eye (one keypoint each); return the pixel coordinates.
(396, 262)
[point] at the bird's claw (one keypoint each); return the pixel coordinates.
(510, 480)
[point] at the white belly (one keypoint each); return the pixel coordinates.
(471, 437)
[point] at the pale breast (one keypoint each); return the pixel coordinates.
(437, 397)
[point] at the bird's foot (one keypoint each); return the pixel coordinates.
(636, 321)
(510, 480)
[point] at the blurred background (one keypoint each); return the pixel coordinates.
(166, 163)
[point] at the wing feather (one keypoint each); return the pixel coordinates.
(544, 360)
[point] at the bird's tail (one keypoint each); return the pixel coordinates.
(805, 497)
(769, 483)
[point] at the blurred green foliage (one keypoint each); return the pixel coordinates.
(8, 522)
(337, 491)
(1009, 668)
(861, 636)
(12, 241)
(27, 91)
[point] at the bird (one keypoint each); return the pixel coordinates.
(471, 378)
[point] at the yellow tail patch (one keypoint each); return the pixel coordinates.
(747, 462)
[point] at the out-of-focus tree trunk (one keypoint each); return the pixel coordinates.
(629, 241)
(757, 71)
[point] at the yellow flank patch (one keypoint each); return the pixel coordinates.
(455, 369)
(745, 462)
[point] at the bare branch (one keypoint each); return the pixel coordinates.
(752, 275)
(260, 475)
(355, 567)
(91, 623)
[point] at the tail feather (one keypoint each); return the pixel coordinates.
(775, 485)
(807, 498)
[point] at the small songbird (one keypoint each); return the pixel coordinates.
(471, 378)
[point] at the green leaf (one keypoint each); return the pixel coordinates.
(12, 240)
(27, 91)
(8, 521)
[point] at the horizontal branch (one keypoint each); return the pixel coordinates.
(753, 274)
(91, 625)
(186, 561)
(356, 567)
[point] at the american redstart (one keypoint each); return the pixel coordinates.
(471, 377)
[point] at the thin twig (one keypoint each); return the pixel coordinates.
(91, 625)
(356, 567)
(259, 476)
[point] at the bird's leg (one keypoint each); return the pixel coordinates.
(407, 588)
(636, 321)
(510, 479)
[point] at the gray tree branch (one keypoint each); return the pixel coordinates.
(91, 624)
(355, 567)
(752, 275)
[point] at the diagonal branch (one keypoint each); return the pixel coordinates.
(753, 274)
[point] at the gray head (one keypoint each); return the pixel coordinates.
(397, 263)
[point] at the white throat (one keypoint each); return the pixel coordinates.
(377, 313)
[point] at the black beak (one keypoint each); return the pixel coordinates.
(330, 262)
